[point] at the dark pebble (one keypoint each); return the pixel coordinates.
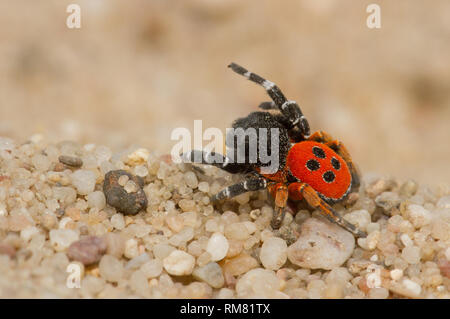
(72, 161)
(117, 196)
(88, 250)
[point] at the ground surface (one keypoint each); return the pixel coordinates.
(54, 219)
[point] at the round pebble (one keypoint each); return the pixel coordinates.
(258, 283)
(84, 181)
(152, 268)
(211, 273)
(96, 199)
(72, 161)
(179, 263)
(321, 245)
(273, 253)
(111, 269)
(217, 246)
(128, 202)
(87, 250)
(411, 254)
(61, 239)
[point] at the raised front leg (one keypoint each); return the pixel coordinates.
(290, 109)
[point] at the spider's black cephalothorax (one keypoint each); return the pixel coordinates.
(263, 124)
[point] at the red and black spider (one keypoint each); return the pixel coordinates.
(316, 167)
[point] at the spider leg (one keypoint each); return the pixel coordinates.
(280, 193)
(313, 199)
(215, 159)
(289, 109)
(247, 185)
(341, 150)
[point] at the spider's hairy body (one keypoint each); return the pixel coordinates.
(312, 167)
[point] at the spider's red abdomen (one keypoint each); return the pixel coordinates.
(319, 166)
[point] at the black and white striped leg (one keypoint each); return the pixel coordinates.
(248, 185)
(215, 159)
(289, 109)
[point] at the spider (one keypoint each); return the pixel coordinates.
(314, 167)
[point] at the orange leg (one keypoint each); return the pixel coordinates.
(280, 193)
(341, 150)
(313, 199)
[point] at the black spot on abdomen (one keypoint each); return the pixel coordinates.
(335, 163)
(318, 152)
(328, 176)
(312, 165)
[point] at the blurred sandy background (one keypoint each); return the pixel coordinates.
(137, 69)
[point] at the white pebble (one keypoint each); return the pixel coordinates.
(190, 219)
(412, 286)
(162, 250)
(41, 162)
(62, 238)
(411, 254)
(359, 218)
(64, 221)
(181, 238)
(217, 246)
(237, 231)
(137, 261)
(372, 239)
(373, 280)
(65, 195)
(406, 240)
(111, 269)
(258, 283)
(141, 170)
(251, 227)
(273, 253)
(131, 248)
(28, 232)
(102, 153)
(210, 273)
(152, 268)
(418, 215)
(191, 179)
(321, 245)
(396, 274)
(212, 225)
(203, 187)
(117, 221)
(123, 179)
(139, 156)
(84, 181)
(179, 263)
(130, 187)
(96, 199)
